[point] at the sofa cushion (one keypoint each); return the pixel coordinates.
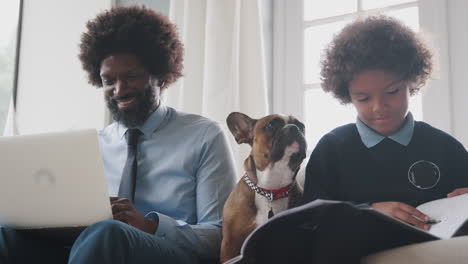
(454, 250)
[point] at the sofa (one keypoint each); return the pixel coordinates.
(453, 251)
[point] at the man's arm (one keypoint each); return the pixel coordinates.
(215, 179)
(124, 210)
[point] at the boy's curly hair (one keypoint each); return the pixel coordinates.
(374, 43)
(136, 30)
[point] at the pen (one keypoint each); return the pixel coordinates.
(432, 222)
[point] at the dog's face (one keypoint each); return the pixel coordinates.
(272, 138)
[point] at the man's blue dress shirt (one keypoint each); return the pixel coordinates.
(185, 174)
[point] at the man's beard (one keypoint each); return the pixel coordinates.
(137, 115)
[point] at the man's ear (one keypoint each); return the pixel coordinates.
(241, 126)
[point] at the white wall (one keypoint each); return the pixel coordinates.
(53, 93)
(159, 5)
(458, 41)
(445, 101)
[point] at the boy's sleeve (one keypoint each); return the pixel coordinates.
(321, 171)
(457, 156)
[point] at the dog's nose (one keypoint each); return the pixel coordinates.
(293, 133)
(291, 128)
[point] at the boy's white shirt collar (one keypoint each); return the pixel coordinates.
(371, 138)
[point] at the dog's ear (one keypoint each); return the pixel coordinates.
(241, 126)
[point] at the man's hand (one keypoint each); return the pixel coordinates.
(123, 210)
(456, 192)
(403, 212)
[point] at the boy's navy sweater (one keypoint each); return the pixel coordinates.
(342, 168)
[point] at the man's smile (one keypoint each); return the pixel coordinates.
(126, 101)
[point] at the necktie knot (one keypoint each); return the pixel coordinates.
(132, 136)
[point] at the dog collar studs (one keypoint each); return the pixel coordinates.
(271, 195)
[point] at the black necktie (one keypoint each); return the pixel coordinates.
(127, 183)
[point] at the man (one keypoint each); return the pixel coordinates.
(169, 172)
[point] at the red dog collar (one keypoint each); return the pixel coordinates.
(271, 195)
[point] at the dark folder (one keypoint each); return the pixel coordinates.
(326, 232)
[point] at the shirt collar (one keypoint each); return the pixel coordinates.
(150, 125)
(371, 138)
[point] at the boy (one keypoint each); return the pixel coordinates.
(386, 159)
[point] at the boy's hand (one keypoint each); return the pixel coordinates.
(458, 191)
(123, 210)
(403, 212)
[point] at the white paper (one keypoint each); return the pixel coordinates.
(451, 212)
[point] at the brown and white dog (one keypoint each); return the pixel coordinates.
(268, 185)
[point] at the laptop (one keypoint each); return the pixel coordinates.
(52, 180)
